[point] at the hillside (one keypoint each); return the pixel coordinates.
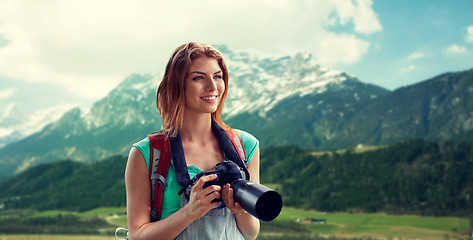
(414, 177)
(438, 109)
(67, 185)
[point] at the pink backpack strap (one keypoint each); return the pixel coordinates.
(238, 144)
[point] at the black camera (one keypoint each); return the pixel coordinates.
(258, 200)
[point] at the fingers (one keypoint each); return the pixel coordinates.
(206, 195)
(200, 201)
(200, 183)
(227, 196)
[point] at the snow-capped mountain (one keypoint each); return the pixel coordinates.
(14, 125)
(132, 101)
(257, 85)
(279, 99)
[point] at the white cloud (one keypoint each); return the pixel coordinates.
(335, 49)
(408, 68)
(363, 16)
(88, 46)
(7, 93)
(359, 12)
(469, 34)
(455, 49)
(415, 55)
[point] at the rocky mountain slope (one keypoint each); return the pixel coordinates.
(438, 109)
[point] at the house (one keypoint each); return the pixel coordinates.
(312, 220)
(467, 234)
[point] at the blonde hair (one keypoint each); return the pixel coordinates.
(170, 97)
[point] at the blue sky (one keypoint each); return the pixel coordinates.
(419, 40)
(55, 55)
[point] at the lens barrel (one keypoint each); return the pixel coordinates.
(258, 200)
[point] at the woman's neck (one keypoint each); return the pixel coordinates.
(196, 127)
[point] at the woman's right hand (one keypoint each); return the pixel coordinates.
(200, 200)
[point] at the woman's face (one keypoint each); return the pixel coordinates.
(204, 85)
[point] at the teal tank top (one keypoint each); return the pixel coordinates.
(171, 201)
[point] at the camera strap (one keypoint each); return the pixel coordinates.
(190, 184)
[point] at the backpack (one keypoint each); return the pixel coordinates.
(160, 158)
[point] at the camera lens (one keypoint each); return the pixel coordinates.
(258, 200)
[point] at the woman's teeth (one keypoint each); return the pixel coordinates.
(209, 98)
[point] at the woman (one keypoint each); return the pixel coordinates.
(190, 99)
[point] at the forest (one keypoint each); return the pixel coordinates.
(412, 177)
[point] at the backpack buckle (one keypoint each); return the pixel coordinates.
(153, 215)
(160, 179)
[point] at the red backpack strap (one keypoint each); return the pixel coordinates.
(160, 158)
(238, 144)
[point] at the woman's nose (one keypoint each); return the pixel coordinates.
(211, 85)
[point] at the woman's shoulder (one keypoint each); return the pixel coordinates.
(143, 146)
(246, 136)
(250, 143)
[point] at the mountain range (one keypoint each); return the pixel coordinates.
(282, 100)
(438, 109)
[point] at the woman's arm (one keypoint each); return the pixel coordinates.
(138, 194)
(247, 224)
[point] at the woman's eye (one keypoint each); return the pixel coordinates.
(218, 76)
(197, 78)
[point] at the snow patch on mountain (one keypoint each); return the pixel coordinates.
(125, 103)
(258, 82)
(15, 125)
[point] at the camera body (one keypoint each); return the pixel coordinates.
(258, 200)
(227, 172)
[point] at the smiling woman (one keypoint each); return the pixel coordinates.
(198, 63)
(190, 100)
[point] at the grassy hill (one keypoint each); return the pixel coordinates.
(67, 185)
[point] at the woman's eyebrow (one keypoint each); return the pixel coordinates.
(199, 72)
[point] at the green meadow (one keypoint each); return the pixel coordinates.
(296, 222)
(377, 225)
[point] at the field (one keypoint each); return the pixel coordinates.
(291, 221)
(378, 225)
(114, 215)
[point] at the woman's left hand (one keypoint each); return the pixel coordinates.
(227, 196)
